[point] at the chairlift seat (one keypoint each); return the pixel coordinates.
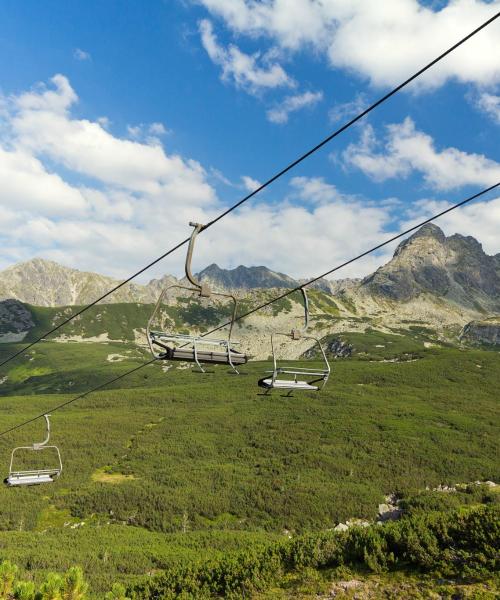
(31, 477)
(286, 384)
(205, 357)
(304, 378)
(194, 354)
(192, 348)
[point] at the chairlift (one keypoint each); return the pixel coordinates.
(304, 379)
(176, 346)
(35, 476)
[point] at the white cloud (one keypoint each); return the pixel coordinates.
(384, 46)
(281, 112)
(157, 129)
(57, 100)
(241, 68)
(249, 183)
(80, 54)
(490, 105)
(149, 133)
(41, 125)
(26, 184)
(347, 110)
(104, 122)
(141, 199)
(302, 238)
(405, 150)
(315, 189)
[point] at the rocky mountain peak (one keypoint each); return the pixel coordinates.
(455, 267)
(466, 243)
(429, 230)
(427, 236)
(244, 278)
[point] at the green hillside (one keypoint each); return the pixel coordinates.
(179, 467)
(118, 321)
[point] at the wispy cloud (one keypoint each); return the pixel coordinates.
(281, 112)
(490, 105)
(405, 150)
(249, 183)
(243, 69)
(346, 110)
(80, 54)
(148, 132)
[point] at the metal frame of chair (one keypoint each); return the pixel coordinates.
(193, 348)
(34, 476)
(304, 379)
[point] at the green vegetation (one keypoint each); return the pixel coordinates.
(401, 345)
(191, 481)
(323, 302)
(460, 544)
(118, 321)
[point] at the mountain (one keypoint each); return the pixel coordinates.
(430, 275)
(452, 268)
(46, 283)
(245, 278)
(249, 278)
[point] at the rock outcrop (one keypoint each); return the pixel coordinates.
(482, 332)
(15, 321)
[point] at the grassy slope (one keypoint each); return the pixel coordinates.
(211, 454)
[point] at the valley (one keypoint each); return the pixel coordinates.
(175, 480)
(176, 468)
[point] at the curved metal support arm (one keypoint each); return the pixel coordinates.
(203, 288)
(296, 333)
(39, 445)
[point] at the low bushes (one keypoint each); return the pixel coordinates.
(461, 544)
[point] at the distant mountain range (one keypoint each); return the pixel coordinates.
(432, 281)
(455, 269)
(46, 283)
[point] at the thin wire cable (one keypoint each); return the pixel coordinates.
(355, 119)
(287, 293)
(261, 187)
(97, 388)
(358, 257)
(85, 308)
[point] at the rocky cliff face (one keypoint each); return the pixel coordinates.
(15, 321)
(482, 332)
(453, 268)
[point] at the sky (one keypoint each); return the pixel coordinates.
(121, 121)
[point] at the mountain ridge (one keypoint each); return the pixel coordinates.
(426, 265)
(453, 268)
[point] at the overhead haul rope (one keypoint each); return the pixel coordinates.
(287, 293)
(289, 167)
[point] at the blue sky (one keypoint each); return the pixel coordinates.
(121, 121)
